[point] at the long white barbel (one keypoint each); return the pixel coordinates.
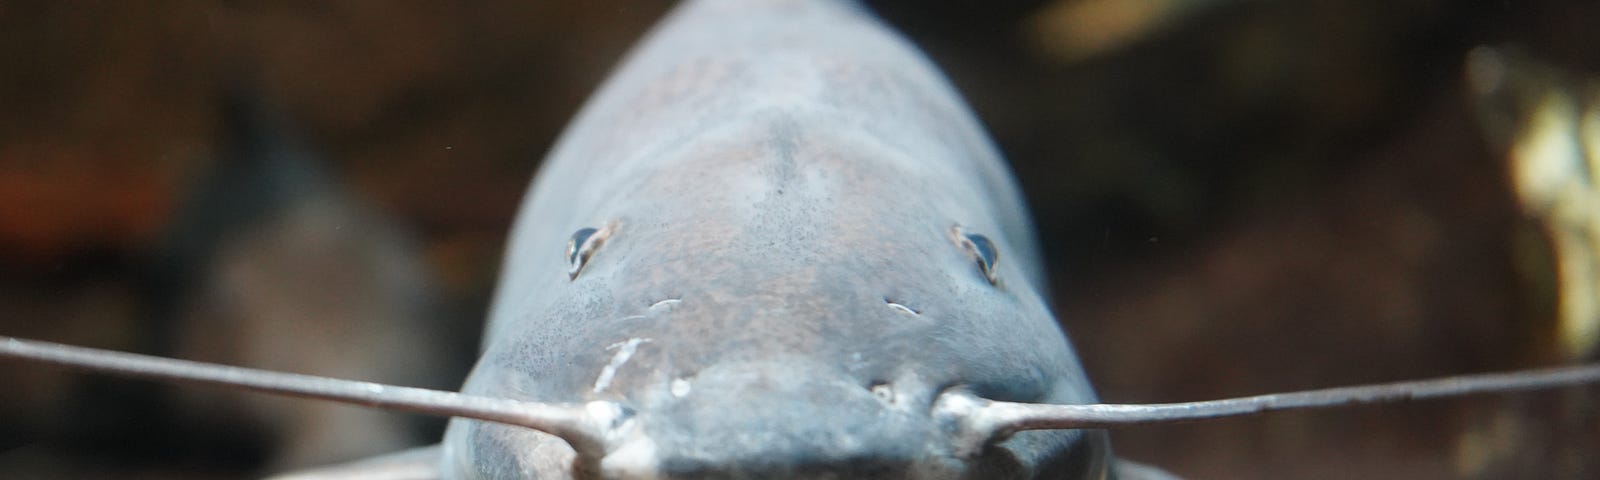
(981, 421)
(588, 427)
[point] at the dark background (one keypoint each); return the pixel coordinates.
(1235, 197)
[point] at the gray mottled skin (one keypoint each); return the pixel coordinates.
(781, 170)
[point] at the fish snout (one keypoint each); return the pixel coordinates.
(785, 420)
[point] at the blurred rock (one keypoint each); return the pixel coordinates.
(1547, 121)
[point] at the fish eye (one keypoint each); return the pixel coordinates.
(580, 247)
(982, 251)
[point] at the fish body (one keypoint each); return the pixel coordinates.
(782, 189)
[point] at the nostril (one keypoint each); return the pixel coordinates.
(666, 304)
(883, 392)
(899, 307)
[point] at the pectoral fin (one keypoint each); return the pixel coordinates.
(415, 464)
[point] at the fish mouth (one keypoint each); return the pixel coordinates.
(785, 419)
(782, 415)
